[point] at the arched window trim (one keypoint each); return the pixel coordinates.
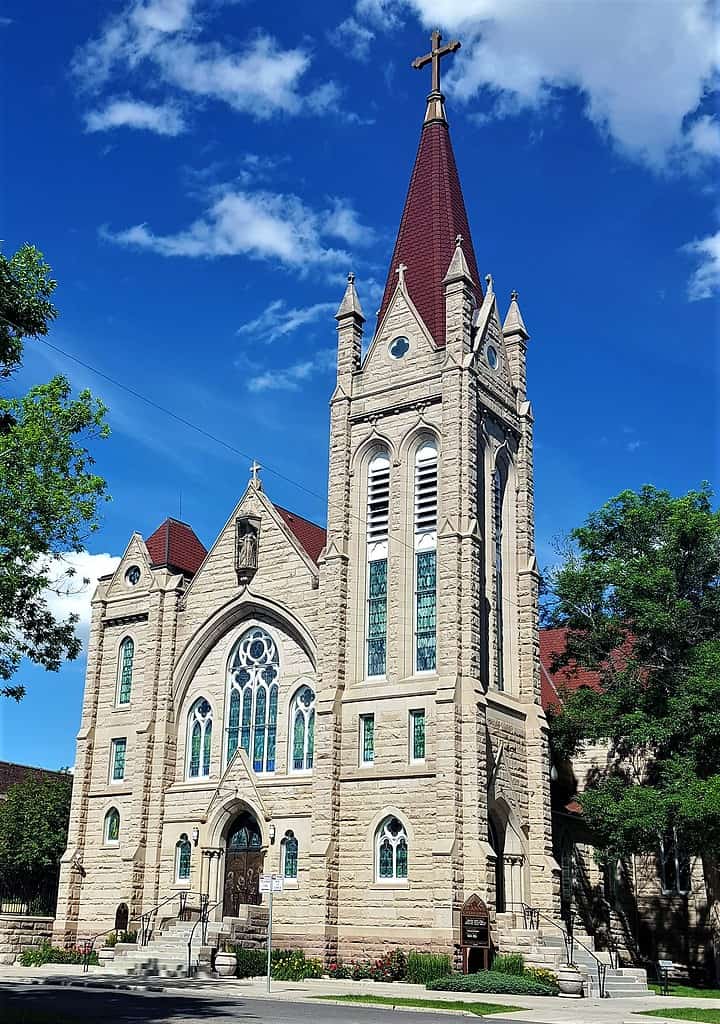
(301, 711)
(289, 851)
(391, 851)
(183, 859)
(200, 723)
(252, 715)
(376, 539)
(112, 815)
(425, 517)
(125, 671)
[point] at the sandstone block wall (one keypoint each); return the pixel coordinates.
(20, 933)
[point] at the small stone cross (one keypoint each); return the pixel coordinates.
(401, 274)
(254, 470)
(437, 52)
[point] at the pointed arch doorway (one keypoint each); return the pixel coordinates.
(244, 857)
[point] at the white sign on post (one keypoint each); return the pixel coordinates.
(270, 884)
(265, 883)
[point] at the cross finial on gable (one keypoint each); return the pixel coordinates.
(401, 274)
(437, 52)
(254, 471)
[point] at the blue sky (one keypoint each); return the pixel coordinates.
(202, 175)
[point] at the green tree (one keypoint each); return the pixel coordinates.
(49, 493)
(639, 592)
(33, 833)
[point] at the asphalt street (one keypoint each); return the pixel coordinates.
(51, 1004)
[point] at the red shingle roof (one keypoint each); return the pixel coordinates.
(176, 545)
(570, 677)
(434, 214)
(311, 536)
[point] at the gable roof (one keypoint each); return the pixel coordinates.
(553, 682)
(311, 536)
(176, 545)
(433, 216)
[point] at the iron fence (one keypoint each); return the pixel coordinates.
(33, 900)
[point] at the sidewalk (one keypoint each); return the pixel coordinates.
(538, 1009)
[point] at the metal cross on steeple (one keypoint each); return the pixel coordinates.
(437, 52)
(254, 470)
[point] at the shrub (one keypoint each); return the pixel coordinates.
(390, 966)
(492, 982)
(47, 954)
(425, 967)
(543, 975)
(250, 962)
(338, 969)
(361, 970)
(509, 963)
(127, 936)
(111, 939)
(295, 966)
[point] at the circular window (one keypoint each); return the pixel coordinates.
(398, 347)
(132, 576)
(492, 357)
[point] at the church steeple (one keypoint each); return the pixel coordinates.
(434, 213)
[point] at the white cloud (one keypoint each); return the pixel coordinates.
(353, 38)
(704, 136)
(277, 320)
(642, 66)
(342, 222)
(163, 119)
(163, 35)
(68, 595)
(291, 378)
(705, 280)
(259, 225)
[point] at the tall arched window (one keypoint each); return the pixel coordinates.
(253, 692)
(378, 508)
(302, 729)
(391, 850)
(499, 483)
(426, 494)
(125, 670)
(111, 828)
(183, 853)
(199, 739)
(289, 855)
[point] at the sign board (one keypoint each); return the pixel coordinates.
(271, 883)
(475, 923)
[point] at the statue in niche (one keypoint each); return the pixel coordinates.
(247, 537)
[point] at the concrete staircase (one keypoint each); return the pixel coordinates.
(545, 947)
(166, 954)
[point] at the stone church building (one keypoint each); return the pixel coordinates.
(356, 709)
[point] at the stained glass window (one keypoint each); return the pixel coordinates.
(426, 628)
(119, 748)
(112, 826)
(302, 725)
(252, 719)
(498, 488)
(290, 855)
(377, 617)
(183, 852)
(127, 656)
(392, 850)
(367, 739)
(200, 738)
(417, 735)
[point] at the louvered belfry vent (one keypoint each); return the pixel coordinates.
(426, 480)
(378, 502)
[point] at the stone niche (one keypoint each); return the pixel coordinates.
(247, 547)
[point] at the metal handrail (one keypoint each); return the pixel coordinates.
(533, 914)
(205, 908)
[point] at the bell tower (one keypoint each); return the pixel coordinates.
(431, 737)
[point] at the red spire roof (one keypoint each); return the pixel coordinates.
(176, 545)
(311, 536)
(434, 215)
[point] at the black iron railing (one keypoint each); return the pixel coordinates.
(36, 900)
(205, 907)
(531, 919)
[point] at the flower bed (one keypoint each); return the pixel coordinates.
(47, 954)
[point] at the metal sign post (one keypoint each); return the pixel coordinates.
(270, 884)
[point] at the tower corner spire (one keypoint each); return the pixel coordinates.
(350, 305)
(514, 325)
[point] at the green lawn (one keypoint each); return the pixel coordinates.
(687, 991)
(480, 1009)
(686, 1013)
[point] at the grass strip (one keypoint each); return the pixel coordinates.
(479, 1009)
(697, 1013)
(686, 991)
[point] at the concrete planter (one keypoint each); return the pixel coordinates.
(570, 982)
(225, 965)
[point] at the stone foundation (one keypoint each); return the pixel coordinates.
(18, 933)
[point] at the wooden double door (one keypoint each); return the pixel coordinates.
(244, 858)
